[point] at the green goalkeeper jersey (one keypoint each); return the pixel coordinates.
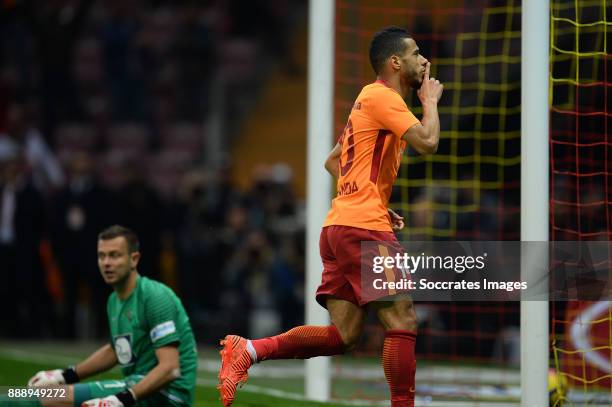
(152, 317)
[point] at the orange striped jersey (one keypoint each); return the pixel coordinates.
(372, 149)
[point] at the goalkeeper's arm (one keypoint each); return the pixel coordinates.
(101, 360)
(168, 369)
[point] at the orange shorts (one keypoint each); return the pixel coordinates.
(346, 271)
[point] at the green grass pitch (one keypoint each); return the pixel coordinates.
(20, 361)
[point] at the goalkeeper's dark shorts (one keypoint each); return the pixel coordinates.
(348, 258)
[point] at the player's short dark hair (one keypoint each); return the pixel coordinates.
(115, 231)
(387, 42)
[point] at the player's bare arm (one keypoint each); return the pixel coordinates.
(332, 164)
(100, 361)
(424, 137)
(168, 369)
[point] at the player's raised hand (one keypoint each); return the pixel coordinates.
(47, 378)
(431, 88)
(110, 401)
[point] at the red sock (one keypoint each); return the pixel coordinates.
(399, 364)
(301, 342)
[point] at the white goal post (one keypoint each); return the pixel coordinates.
(534, 193)
(321, 30)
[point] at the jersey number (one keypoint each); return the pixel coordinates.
(350, 151)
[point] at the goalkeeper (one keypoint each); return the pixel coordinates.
(150, 338)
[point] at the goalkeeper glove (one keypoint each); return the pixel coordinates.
(123, 399)
(54, 377)
(110, 401)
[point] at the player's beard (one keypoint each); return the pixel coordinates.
(417, 80)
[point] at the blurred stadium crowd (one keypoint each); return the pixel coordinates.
(103, 118)
(123, 111)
